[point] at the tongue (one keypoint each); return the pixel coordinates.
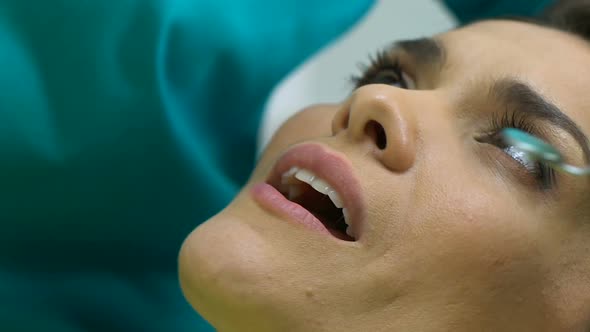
(340, 235)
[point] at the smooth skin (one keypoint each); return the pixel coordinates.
(458, 237)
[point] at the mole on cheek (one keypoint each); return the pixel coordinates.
(309, 293)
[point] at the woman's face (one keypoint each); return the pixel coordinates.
(451, 229)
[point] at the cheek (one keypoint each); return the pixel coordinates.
(458, 228)
(469, 234)
(470, 218)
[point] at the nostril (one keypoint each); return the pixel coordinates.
(376, 131)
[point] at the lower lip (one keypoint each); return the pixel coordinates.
(274, 202)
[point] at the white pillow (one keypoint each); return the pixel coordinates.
(325, 77)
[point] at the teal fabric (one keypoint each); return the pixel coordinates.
(470, 10)
(123, 125)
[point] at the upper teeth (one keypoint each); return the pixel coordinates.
(316, 183)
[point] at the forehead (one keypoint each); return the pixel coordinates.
(555, 63)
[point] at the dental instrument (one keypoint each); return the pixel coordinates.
(540, 151)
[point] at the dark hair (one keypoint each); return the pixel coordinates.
(571, 16)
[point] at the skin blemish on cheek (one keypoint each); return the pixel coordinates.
(311, 296)
(469, 218)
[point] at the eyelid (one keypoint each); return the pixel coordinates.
(386, 59)
(522, 168)
(516, 171)
(512, 173)
(410, 82)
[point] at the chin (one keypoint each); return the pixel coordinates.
(226, 274)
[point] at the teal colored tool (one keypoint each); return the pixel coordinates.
(536, 149)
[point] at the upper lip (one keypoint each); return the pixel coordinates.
(331, 167)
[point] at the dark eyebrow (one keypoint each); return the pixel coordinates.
(424, 50)
(513, 92)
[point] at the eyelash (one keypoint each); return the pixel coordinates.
(544, 174)
(379, 63)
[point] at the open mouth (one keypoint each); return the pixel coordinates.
(315, 195)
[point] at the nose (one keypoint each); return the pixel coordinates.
(382, 115)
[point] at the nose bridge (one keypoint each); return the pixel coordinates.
(385, 115)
